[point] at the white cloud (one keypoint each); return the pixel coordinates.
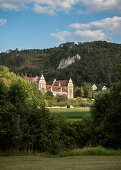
(91, 35)
(82, 35)
(61, 35)
(65, 5)
(2, 21)
(45, 10)
(91, 5)
(54, 6)
(112, 25)
(102, 5)
(79, 26)
(15, 5)
(40, 6)
(9, 6)
(109, 25)
(98, 30)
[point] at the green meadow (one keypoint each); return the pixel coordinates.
(73, 114)
(88, 158)
(60, 163)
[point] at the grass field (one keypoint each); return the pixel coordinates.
(60, 163)
(72, 114)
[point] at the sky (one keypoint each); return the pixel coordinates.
(38, 24)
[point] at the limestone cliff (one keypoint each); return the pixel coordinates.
(66, 62)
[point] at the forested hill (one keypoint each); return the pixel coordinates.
(94, 62)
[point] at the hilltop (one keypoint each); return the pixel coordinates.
(94, 62)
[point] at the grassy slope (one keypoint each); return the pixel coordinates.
(65, 163)
(72, 114)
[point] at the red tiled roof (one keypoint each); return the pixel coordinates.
(56, 88)
(48, 87)
(62, 83)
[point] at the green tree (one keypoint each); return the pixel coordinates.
(49, 94)
(9, 121)
(50, 98)
(17, 101)
(79, 92)
(106, 115)
(10, 132)
(3, 93)
(61, 98)
(87, 89)
(3, 70)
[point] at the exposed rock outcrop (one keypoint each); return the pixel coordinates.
(66, 62)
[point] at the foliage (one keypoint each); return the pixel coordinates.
(3, 93)
(88, 151)
(49, 94)
(61, 98)
(20, 102)
(106, 114)
(9, 127)
(87, 90)
(98, 63)
(50, 98)
(80, 102)
(79, 92)
(3, 70)
(25, 123)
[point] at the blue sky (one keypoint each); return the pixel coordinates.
(29, 24)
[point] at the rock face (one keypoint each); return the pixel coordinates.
(66, 62)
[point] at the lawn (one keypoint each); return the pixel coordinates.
(72, 114)
(60, 163)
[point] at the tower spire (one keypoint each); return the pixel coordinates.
(70, 89)
(42, 84)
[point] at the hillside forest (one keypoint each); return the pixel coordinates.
(97, 64)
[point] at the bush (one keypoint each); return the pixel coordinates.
(89, 151)
(106, 115)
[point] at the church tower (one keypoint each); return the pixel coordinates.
(70, 89)
(42, 84)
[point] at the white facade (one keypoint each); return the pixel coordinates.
(104, 88)
(42, 84)
(70, 94)
(94, 87)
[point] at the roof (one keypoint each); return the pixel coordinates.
(62, 83)
(56, 88)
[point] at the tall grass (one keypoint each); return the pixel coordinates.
(91, 151)
(87, 151)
